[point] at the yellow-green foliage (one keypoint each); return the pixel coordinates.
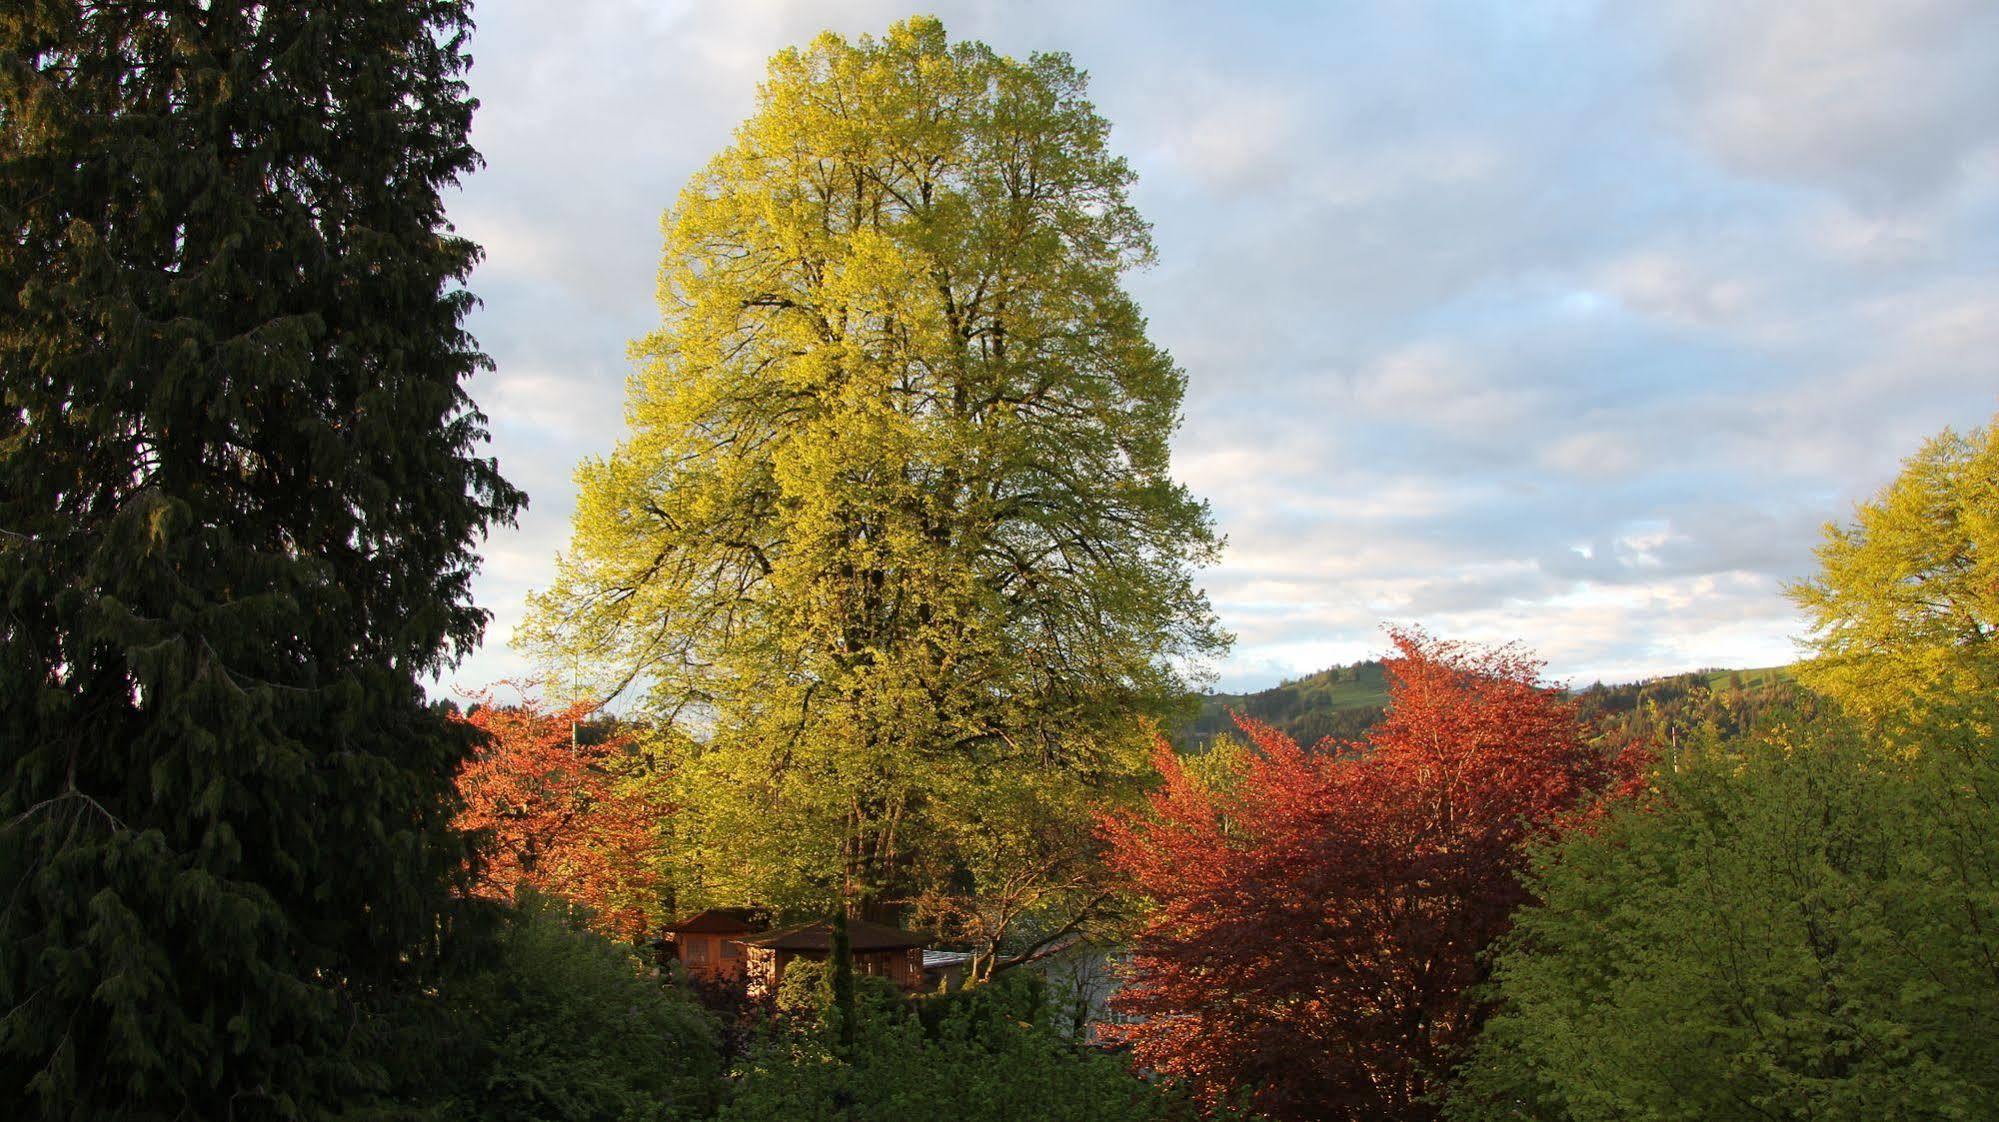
(893, 527)
(1797, 925)
(1907, 597)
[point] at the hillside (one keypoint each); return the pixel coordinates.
(1662, 711)
(1343, 701)
(1340, 701)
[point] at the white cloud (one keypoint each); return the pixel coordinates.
(1459, 288)
(1671, 288)
(1882, 100)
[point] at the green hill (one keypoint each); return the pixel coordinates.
(1662, 711)
(1343, 701)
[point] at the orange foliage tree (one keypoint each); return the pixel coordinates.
(1320, 917)
(561, 805)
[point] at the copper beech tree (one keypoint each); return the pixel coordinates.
(1321, 916)
(563, 809)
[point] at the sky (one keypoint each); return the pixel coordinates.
(1569, 323)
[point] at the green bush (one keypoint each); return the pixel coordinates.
(1802, 925)
(555, 1024)
(981, 1055)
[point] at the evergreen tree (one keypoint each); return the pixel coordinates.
(238, 505)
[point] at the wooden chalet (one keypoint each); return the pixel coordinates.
(886, 952)
(706, 942)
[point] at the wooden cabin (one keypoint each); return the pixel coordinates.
(883, 951)
(706, 942)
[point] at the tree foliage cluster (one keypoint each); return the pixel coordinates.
(1790, 915)
(241, 497)
(1796, 924)
(565, 803)
(988, 1054)
(1905, 607)
(894, 567)
(892, 544)
(1797, 921)
(544, 1020)
(1319, 920)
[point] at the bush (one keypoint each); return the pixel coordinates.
(978, 1055)
(556, 1024)
(1803, 925)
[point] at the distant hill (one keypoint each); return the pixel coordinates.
(1344, 701)
(1341, 702)
(1664, 711)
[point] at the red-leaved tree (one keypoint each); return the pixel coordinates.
(563, 810)
(1320, 917)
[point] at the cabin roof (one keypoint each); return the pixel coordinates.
(818, 936)
(719, 921)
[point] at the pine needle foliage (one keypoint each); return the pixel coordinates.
(239, 496)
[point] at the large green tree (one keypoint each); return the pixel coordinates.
(1905, 607)
(1797, 925)
(893, 531)
(239, 494)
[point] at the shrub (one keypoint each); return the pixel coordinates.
(1801, 925)
(978, 1055)
(556, 1024)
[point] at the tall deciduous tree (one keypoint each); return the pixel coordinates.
(238, 502)
(894, 521)
(1905, 607)
(1321, 917)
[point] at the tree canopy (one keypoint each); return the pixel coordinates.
(240, 499)
(1795, 924)
(566, 809)
(1320, 920)
(894, 529)
(1905, 606)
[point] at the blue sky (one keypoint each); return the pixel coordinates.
(1564, 322)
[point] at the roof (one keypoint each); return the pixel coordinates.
(818, 936)
(719, 921)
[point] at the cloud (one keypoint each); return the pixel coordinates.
(1883, 101)
(1561, 322)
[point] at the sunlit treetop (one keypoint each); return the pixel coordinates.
(895, 507)
(1906, 602)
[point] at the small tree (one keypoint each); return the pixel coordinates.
(1320, 920)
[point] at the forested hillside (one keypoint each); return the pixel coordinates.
(1345, 701)
(1340, 702)
(1663, 712)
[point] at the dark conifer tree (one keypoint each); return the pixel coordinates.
(239, 500)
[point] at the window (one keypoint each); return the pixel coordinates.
(697, 950)
(731, 949)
